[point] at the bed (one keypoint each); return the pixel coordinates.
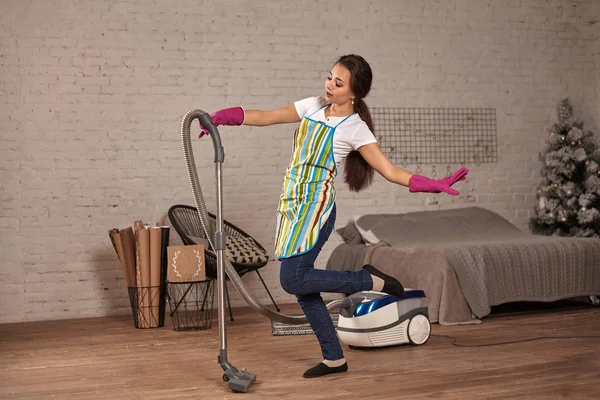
(468, 260)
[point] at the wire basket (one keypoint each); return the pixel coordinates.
(147, 306)
(191, 304)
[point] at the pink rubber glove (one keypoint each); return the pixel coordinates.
(459, 175)
(229, 116)
(419, 183)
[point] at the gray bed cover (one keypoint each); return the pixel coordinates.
(494, 261)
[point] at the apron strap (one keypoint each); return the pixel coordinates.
(343, 120)
(327, 105)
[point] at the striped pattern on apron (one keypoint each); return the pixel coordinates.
(308, 192)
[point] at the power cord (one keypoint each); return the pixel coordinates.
(515, 341)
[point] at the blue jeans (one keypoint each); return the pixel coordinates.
(298, 276)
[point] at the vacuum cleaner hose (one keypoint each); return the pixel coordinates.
(204, 218)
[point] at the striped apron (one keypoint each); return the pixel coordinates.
(308, 193)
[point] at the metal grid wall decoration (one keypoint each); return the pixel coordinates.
(436, 135)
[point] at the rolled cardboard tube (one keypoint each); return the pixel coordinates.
(129, 251)
(115, 236)
(144, 267)
(155, 254)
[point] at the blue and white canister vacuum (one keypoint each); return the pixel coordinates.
(375, 319)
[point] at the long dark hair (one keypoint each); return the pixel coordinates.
(358, 174)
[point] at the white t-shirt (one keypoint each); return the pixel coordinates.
(349, 135)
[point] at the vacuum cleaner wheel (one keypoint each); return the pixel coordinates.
(419, 329)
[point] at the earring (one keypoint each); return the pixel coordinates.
(352, 101)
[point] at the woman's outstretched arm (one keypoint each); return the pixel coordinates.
(282, 115)
(416, 183)
(379, 162)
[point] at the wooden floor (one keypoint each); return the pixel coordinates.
(107, 358)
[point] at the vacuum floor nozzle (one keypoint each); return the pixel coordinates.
(239, 381)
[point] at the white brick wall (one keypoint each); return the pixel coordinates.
(92, 95)
(595, 27)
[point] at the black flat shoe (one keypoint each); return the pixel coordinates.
(391, 285)
(322, 369)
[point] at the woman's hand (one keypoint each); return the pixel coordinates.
(419, 183)
(229, 116)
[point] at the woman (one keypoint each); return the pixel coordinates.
(333, 129)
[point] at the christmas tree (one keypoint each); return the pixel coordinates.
(569, 196)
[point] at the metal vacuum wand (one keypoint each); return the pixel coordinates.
(238, 381)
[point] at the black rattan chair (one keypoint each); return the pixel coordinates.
(243, 251)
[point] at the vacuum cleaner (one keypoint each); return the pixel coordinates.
(359, 322)
(375, 319)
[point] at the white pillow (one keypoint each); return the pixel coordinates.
(368, 236)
